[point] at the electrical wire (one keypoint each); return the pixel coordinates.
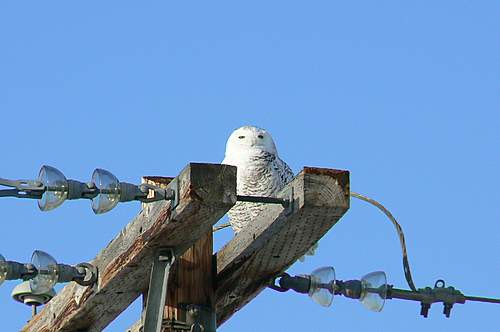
(218, 228)
(399, 230)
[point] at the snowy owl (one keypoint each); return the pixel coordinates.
(260, 171)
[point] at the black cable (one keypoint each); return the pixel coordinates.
(399, 230)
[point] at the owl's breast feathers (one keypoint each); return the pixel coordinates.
(262, 174)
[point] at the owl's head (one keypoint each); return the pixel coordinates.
(249, 138)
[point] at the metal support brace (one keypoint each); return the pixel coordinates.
(175, 192)
(158, 290)
(23, 188)
(201, 318)
(285, 199)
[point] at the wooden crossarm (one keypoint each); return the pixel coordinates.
(207, 192)
(275, 239)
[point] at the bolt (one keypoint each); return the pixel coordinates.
(424, 310)
(447, 309)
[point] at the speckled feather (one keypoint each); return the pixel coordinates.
(260, 172)
(263, 175)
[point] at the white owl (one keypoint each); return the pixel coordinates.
(260, 172)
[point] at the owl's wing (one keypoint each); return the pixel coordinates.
(284, 171)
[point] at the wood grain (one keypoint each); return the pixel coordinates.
(192, 280)
(207, 192)
(274, 240)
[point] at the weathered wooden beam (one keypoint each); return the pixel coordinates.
(192, 282)
(275, 239)
(191, 279)
(207, 192)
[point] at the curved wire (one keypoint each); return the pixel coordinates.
(406, 264)
(218, 228)
(399, 230)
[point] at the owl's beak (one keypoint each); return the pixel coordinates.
(257, 142)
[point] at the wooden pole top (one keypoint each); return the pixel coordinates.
(206, 193)
(245, 266)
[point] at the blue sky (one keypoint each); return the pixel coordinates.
(405, 95)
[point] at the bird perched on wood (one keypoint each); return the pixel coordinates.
(260, 172)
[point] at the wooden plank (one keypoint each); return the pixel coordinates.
(192, 280)
(207, 192)
(192, 276)
(162, 182)
(274, 240)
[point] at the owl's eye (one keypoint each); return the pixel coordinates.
(261, 136)
(241, 137)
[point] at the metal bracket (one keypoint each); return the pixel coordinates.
(174, 186)
(285, 199)
(77, 190)
(289, 201)
(23, 188)
(157, 293)
(90, 274)
(22, 184)
(171, 193)
(17, 270)
(176, 325)
(277, 288)
(200, 318)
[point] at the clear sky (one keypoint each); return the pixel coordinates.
(405, 95)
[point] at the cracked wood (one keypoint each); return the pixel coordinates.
(275, 240)
(207, 192)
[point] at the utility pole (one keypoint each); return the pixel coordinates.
(190, 298)
(176, 238)
(191, 295)
(165, 253)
